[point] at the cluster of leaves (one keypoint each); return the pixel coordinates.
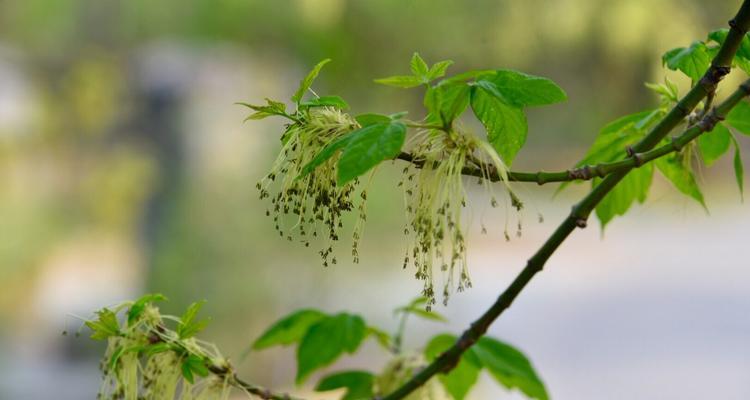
(678, 168)
(436, 198)
(148, 359)
(321, 338)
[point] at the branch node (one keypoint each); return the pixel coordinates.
(708, 122)
(540, 178)
(581, 222)
(637, 157)
(734, 25)
(676, 146)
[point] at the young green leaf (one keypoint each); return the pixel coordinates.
(446, 102)
(739, 117)
(326, 101)
(105, 325)
(467, 76)
(419, 68)
(714, 144)
(188, 326)
(326, 340)
(400, 81)
(325, 154)
(369, 146)
(681, 177)
(613, 138)
(307, 82)
(383, 338)
(739, 170)
(633, 187)
(288, 330)
(459, 381)
(368, 119)
(438, 69)
(693, 61)
(272, 108)
(193, 365)
(135, 311)
(358, 384)
(510, 367)
(523, 90)
(505, 124)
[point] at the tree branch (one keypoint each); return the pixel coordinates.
(706, 123)
(720, 66)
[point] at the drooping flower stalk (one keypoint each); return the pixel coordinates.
(315, 202)
(435, 198)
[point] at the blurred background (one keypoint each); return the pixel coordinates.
(125, 168)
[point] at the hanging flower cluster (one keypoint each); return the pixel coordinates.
(435, 198)
(309, 205)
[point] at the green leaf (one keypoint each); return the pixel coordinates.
(739, 117)
(156, 348)
(739, 170)
(369, 119)
(613, 138)
(326, 101)
(188, 326)
(633, 187)
(289, 329)
(523, 90)
(400, 81)
(105, 325)
(467, 76)
(358, 384)
(446, 102)
(742, 56)
(673, 168)
(419, 68)
(382, 337)
(325, 154)
(510, 367)
(693, 61)
(714, 144)
(438, 69)
(459, 381)
(307, 82)
(139, 306)
(272, 108)
(193, 365)
(505, 124)
(369, 146)
(326, 340)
